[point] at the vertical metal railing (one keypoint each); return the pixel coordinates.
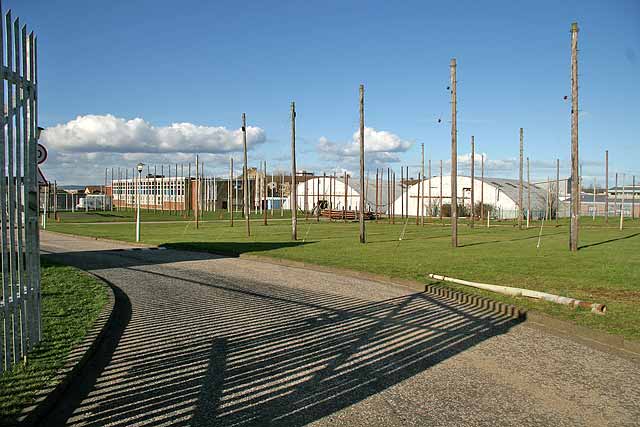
(20, 242)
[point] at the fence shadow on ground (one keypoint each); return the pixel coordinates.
(257, 353)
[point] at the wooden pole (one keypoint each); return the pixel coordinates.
(418, 201)
(429, 183)
(454, 158)
(575, 183)
(615, 197)
(441, 217)
(622, 205)
(389, 194)
(393, 192)
(230, 191)
(594, 199)
(422, 186)
(482, 190)
(633, 197)
(557, 190)
(376, 211)
(332, 194)
(294, 189)
(266, 200)
(407, 193)
(196, 207)
(362, 187)
(528, 193)
(473, 180)
(318, 198)
(281, 192)
(245, 176)
(402, 192)
(346, 192)
(606, 186)
(520, 184)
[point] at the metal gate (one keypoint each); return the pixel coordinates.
(20, 304)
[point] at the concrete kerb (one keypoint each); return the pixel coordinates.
(47, 398)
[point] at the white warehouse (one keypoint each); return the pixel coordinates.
(329, 192)
(500, 194)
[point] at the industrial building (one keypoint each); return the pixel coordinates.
(339, 193)
(499, 195)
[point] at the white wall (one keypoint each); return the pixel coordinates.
(491, 195)
(327, 185)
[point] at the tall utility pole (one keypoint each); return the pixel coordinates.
(407, 192)
(615, 196)
(389, 195)
(197, 206)
(454, 158)
(575, 182)
(520, 185)
(421, 201)
(528, 193)
(606, 186)
(401, 192)
(482, 190)
(473, 180)
(376, 212)
(294, 187)
(266, 200)
(441, 219)
(594, 198)
(231, 190)
(430, 211)
(557, 190)
(362, 187)
(622, 205)
(633, 197)
(245, 176)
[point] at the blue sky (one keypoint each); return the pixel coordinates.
(204, 63)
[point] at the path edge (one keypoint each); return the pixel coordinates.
(79, 356)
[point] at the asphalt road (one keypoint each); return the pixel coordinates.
(211, 341)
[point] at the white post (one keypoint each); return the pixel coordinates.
(140, 167)
(46, 201)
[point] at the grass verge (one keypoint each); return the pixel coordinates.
(606, 269)
(71, 302)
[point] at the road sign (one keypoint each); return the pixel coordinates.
(41, 179)
(41, 154)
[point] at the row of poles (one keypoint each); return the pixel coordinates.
(575, 177)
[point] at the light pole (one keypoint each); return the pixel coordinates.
(140, 167)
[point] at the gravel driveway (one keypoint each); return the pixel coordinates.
(204, 340)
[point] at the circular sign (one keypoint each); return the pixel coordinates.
(41, 154)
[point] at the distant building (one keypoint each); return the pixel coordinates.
(500, 196)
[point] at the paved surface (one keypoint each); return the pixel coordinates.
(204, 340)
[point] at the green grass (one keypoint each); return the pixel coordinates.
(71, 302)
(606, 269)
(151, 216)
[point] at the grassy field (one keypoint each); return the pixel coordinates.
(606, 269)
(71, 302)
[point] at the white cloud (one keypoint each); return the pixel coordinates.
(380, 147)
(107, 133)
